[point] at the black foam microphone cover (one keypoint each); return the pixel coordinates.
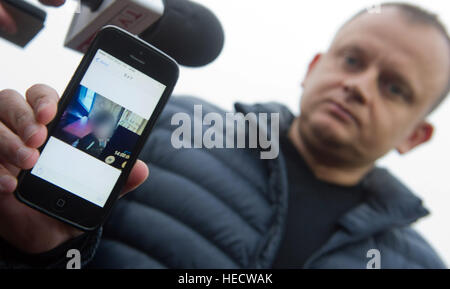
(187, 31)
(93, 4)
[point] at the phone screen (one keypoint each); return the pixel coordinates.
(99, 129)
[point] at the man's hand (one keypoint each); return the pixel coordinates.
(8, 24)
(23, 130)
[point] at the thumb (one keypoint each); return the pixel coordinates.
(139, 173)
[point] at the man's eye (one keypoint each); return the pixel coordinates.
(395, 89)
(352, 62)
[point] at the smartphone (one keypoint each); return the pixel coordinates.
(104, 118)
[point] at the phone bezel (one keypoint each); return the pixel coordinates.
(79, 212)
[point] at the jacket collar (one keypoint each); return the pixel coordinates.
(389, 203)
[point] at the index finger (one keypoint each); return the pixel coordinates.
(44, 101)
(18, 116)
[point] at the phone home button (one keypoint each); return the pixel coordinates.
(60, 204)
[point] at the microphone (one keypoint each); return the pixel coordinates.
(185, 30)
(92, 4)
(188, 32)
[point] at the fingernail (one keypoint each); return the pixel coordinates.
(41, 106)
(7, 184)
(23, 154)
(30, 130)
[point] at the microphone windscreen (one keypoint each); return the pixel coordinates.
(188, 32)
(93, 4)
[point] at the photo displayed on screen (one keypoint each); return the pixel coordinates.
(100, 127)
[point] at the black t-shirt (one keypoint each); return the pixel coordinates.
(313, 209)
(91, 145)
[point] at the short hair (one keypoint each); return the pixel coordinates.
(419, 15)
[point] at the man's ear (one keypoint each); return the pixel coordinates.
(311, 66)
(421, 134)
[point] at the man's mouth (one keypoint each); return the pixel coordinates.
(341, 112)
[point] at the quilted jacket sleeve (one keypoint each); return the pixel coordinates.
(11, 258)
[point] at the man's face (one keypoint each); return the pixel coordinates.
(104, 130)
(371, 91)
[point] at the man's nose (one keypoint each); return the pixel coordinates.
(361, 87)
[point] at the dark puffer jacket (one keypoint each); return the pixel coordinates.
(226, 208)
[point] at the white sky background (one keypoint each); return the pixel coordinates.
(268, 47)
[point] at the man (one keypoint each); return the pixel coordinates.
(103, 125)
(321, 203)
